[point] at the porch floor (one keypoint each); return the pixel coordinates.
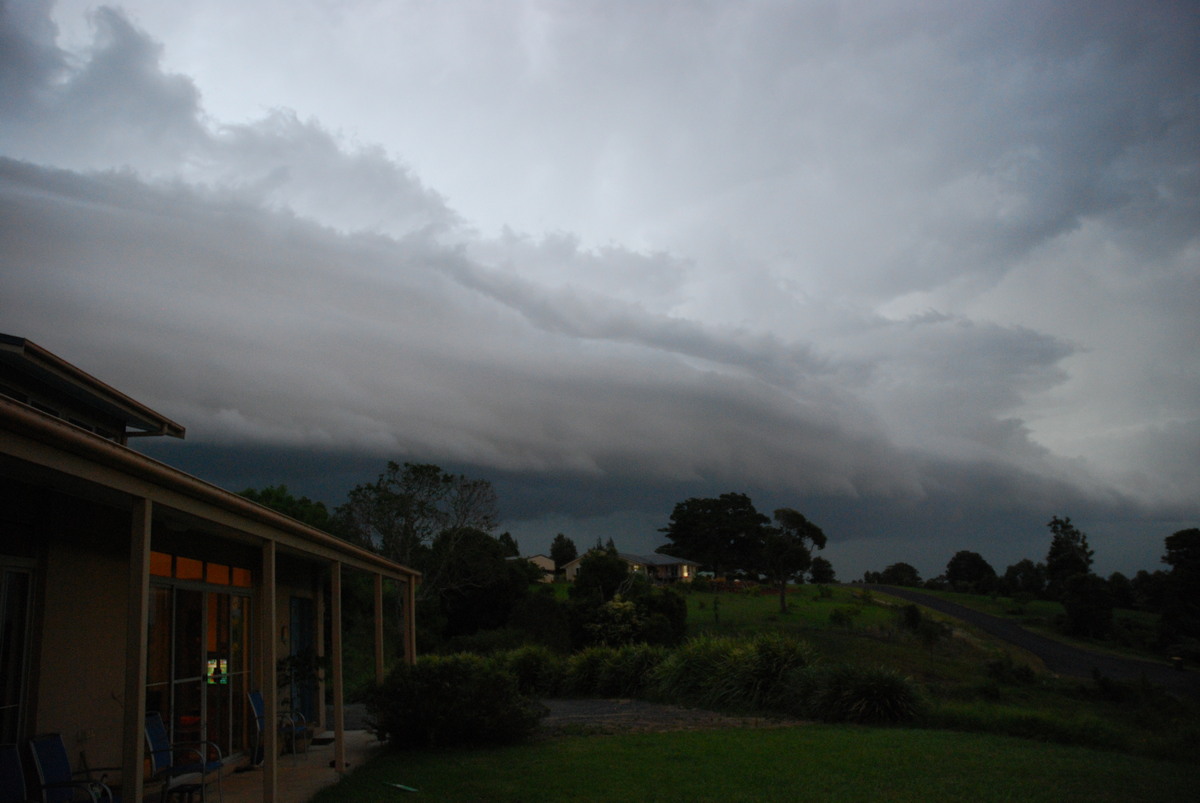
(302, 775)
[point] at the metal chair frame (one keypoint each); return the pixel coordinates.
(181, 778)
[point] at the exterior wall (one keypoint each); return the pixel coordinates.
(571, 569)
(80, 646)
(546, 565)
(67, 500)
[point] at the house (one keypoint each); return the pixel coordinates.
(129, 586)
(659, 568)
(545, 563)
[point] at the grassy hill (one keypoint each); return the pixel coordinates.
(972, 681)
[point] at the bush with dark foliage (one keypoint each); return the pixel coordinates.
(450, 700)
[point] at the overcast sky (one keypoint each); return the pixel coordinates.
(926, 271)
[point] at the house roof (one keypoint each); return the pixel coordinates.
(657, 560)
(32, 441)
(50, 370)
(645, 560)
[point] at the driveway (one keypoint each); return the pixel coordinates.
(1059, 658)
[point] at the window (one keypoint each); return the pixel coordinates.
(198, 652)
(16, 587)
(164, 565)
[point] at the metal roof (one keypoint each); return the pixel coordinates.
(47, 368)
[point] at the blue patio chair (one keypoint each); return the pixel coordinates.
(12, 776)
(56, 782)
(293, 728)
(183, 768)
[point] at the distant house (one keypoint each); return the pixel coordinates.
(659, 568)
(128, 586)
(546, 564)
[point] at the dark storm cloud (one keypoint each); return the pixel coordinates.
(926, 272)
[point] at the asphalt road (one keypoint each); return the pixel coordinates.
(1059, 658)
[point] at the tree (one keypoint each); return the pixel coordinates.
(509, 543)
(1149, 590)
(601, 575)
(1121, 589)
(783, 550)
(1068, 556)
(1089, 606)
(407, 506)
(562, 551)
(821, 572)
(1181, 589)
(720, 534)
(474, 587)
(969, 572)
(900, 574)
(1025, 577)
(303, 509)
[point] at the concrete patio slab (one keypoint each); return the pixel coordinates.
(302, 775)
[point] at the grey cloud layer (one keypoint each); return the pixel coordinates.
(898, 254)
(282, 331)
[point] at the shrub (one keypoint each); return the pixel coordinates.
(843, 617)
(695, 672)
(543, 618)
(537, 668)
(447, 700)
(762, 669)
(844, 693)
(1089, 606)
(615, 622)
(1005, 670)
(664, 613)
(910, 617)
(581, 677)
(625, 672)
(484, 642)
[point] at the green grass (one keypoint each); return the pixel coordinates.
(739, 613)
(869, 637)
(954, 672)
(809, 762)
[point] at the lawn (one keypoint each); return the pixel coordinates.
(968, 677)
(808, 762)
(845, 624)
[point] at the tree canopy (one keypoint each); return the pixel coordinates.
(784, 551)
(968, 571)
(300, 508)
(721, 534)
(562, 551)
(897, 574)
(821, 571)
(1069, 555)
(1181, 589)
(408, 506)
(1025, 577)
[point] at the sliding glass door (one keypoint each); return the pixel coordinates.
(198, 660)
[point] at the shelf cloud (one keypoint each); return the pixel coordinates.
(926, 272)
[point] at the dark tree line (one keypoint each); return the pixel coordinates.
(1088, 600)
(439, 523)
